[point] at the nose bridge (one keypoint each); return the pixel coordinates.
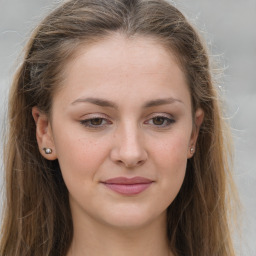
(130, 139)
(129, 145)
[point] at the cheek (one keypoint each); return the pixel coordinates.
(170, 158)
(79, 156)
(172, 151)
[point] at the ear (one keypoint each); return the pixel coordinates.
(198, 120)
(44, 134)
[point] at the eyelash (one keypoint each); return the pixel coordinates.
(167, 121)
(88, 122)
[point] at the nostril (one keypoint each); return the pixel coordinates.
(141, 162)
(135, 164)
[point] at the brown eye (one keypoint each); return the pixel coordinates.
(96, 121)
(158, 120)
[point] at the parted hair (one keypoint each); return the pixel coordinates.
(37, 218)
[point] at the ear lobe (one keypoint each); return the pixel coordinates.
(199, 117)
(44, 134)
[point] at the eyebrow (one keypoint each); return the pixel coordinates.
(96, 101)
(107, 103)
(159, 102)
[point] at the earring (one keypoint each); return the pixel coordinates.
(47, 150)
(192, 150)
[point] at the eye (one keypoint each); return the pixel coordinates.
(160, 121)
(97, 122)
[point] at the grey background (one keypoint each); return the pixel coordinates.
(229, 27)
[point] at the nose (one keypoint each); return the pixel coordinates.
(128, 149)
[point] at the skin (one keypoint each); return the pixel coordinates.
(132, 138)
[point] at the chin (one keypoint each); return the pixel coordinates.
(133, 218)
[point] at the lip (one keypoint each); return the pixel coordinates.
(128, 186)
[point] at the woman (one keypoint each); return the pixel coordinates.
(116, 140)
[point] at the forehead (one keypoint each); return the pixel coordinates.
(119, 51)
(118, 64)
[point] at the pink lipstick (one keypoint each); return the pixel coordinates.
(128, 186)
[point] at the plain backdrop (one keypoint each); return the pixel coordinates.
(229, 29)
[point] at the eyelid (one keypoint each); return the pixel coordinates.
(87, 118)
(163, 114)
(168, 120)
(160, 114)
(94, 115)
(168, 117)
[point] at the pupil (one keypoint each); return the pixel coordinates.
(158, 120)
(96, 121)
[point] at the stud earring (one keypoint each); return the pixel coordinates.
(47, 150)
(192, 150)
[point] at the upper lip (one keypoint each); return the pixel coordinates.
(128, 181)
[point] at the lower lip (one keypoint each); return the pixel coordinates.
(128, 189)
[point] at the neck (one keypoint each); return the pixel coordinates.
(92, 239)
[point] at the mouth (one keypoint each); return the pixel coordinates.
(128, 186)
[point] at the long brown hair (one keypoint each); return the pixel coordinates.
(37, 218)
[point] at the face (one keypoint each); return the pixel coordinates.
(121, 129)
